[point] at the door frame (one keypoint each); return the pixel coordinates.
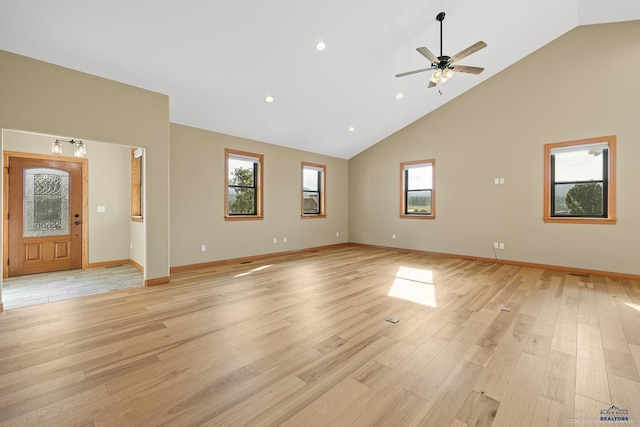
(85, 202)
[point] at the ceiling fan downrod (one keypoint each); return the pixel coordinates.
(440, 18)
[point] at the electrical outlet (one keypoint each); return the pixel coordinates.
(496, 245)
(275, 241)
(203, 248)
(393, 236)
(284, 240)
(501, 245)
(337, 234)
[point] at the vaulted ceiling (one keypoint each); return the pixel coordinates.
(218, 60)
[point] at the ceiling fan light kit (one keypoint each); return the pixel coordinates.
(443, 66)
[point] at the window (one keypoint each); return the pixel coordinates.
(580, 181)
(417, 189)
(137, 189)
(243, 181)
(313, 190)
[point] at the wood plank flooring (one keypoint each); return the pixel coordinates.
(302, 340)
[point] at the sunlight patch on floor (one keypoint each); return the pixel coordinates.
(636, 306)
(253, 270)
(415, 285)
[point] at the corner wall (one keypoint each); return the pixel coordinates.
(498, 129)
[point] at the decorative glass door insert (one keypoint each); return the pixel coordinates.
(46, 202)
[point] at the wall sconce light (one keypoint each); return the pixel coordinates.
(79, 148)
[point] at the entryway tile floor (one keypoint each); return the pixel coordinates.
(23, 291)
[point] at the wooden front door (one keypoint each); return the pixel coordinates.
(45, 215)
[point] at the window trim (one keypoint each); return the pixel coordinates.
(229, 153)
(322, 190)
(403, 213)
(610, 191)
(137, 183)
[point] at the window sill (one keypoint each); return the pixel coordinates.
(417, 216)
(557, 220)
(313, 216)
(243, 218)
(137, 218)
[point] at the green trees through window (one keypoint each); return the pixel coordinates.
(585, 199)
(242, 190)
(243, 175)
(580, 181)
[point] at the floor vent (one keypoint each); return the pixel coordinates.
(579, 274)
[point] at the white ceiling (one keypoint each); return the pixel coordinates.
(218, 59)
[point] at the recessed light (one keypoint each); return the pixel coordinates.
(352, 129)
(400, 96)
(320, 46)
(269, 99)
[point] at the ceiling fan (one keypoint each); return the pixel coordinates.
(443, 66)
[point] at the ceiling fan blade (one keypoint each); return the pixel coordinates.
(428, 54)
(413, 72)
(467, 69)
(468, 51)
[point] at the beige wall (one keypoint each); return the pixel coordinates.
(44, 98)
(584, 84)
(109, 186)
(197, 200)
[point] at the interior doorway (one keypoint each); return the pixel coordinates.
(112, 239)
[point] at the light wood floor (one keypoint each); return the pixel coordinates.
(302, 340)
